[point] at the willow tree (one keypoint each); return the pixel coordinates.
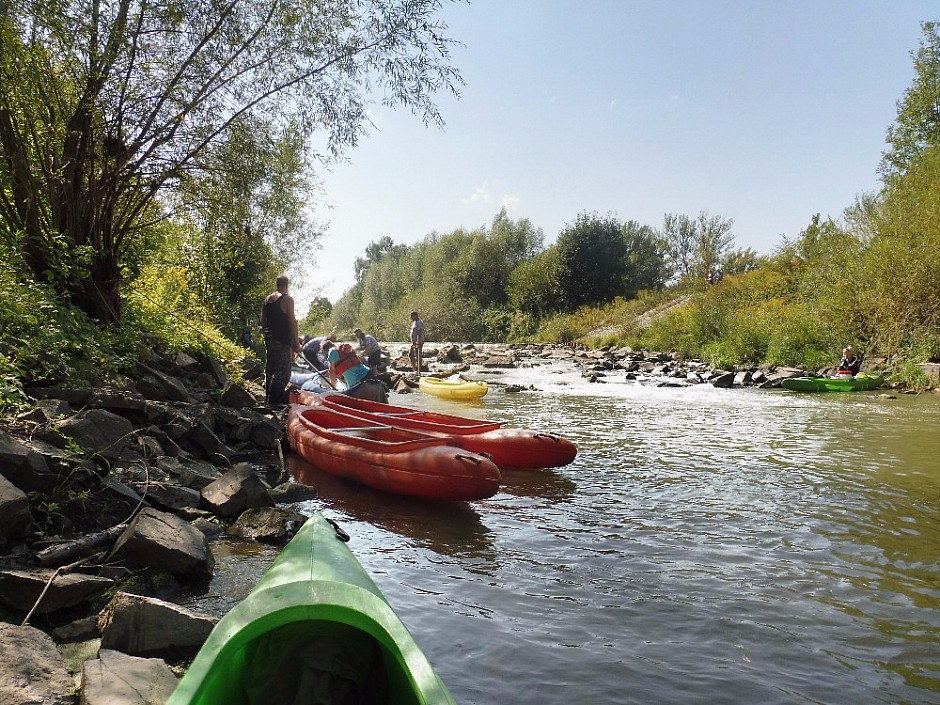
(107, 104)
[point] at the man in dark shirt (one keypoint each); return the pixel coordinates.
(279, 328)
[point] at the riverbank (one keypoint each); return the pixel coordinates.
(111, 497)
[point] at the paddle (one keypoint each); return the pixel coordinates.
(304, 362)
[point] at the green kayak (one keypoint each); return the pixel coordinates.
(315, 629)
(860, 382)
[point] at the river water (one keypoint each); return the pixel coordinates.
(706, 546)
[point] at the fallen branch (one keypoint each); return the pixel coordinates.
(58, 554)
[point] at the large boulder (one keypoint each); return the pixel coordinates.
(155, 538)
(118, 679)
(98, 431)
(146, 626)
(31, 669)
(237, 490)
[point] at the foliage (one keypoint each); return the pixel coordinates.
(318, 312)
(165, 312)
(917, 127)
(696, 248)
(602, 258)
(108, 105)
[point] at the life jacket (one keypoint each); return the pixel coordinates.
(347, 358)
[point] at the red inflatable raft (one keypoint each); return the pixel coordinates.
(387, 458)
(508, 448)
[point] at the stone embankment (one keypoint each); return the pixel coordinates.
(110, 499)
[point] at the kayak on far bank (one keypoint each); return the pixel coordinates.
(859, 383)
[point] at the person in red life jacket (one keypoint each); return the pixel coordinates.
(345, 364)
(279, 328)
(849, 364)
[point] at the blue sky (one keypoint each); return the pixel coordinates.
(757, 111)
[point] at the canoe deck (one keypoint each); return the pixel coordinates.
(315, 626)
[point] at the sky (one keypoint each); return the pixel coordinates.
(759, 111)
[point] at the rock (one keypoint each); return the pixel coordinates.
(162, 387)
(930, 369)
(23, 466)
(267, 524)
(84, 629)
(14, 510)
(723, 380)
(171, 497)
(212, 366)
(98, 432)
(146, 626)
(742, 377)
(190, 473)
(20, 589)
(236, 396)
(201, 439)
(155, 538)
(293, 492)
(237, 490)
(775, 377)
(31, 669)
(449, 354)
(118, 679)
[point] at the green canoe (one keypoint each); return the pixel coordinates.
(860, 382)
(315, 629)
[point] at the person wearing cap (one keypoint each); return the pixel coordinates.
(849, 364)
(370, 347)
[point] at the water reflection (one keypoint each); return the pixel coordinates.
(449, 528)
(544, 484)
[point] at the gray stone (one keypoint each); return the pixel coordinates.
(98, 431)
(146, 626)
(118, 679)
(23, 466)
(155, 538)
(31, 669)
(14, 510)
(20, 589)
(237, 490)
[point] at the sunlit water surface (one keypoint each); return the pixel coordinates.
(706, 546)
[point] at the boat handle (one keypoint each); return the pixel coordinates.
(550, 436)
(340, 534)
(474, 458)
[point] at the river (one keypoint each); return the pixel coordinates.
(706, 546)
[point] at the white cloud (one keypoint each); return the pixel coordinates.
(480, 195)
(509, 202)
(613, 103)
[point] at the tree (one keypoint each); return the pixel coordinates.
(696, 247)
(107, 104)
(319, 311)
(594, 252)
(645, 266)
(918, 122)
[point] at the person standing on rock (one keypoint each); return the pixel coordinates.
(279, 328)
(417, 342)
